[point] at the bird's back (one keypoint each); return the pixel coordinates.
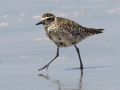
(70, 26)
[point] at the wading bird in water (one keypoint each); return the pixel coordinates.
(64, 33)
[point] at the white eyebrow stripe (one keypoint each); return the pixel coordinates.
(44, 18)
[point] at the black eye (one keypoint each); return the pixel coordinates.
(48, 19)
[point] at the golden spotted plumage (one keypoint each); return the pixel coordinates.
(47, 15)
(68, 32)
(64, 32)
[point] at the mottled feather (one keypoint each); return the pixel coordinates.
(64, 32)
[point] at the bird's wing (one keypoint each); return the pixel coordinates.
(72, 29)
(68, 26)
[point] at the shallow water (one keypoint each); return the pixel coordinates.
(25, 47)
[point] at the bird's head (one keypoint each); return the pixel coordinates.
(46, 19)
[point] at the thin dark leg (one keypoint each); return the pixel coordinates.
(46, 66)
(77, 49)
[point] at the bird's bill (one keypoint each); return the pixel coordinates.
(41, 22)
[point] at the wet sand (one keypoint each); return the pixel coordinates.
(25, 47)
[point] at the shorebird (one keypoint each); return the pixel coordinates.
(64, 33)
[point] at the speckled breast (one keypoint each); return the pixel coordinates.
(62, 39)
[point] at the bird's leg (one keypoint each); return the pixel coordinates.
(77, 49)
(46, 66)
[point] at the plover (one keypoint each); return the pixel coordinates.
(64, 33)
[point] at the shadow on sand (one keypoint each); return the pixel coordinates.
(90, 67)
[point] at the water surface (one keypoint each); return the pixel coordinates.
(24, 47)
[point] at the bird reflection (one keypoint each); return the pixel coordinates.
(60, 86)
(80, 83)
(45, 77)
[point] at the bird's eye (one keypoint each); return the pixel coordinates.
(48, 19)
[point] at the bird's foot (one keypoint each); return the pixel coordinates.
(46, 66)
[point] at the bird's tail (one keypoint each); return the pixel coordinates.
(94, 31)
(98, 31)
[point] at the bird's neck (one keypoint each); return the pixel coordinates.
(45, 27)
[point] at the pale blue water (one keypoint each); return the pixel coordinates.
(21, 55)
